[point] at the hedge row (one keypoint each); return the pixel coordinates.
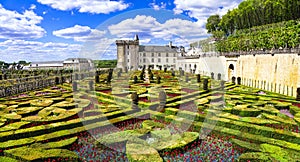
(238, 125)
(28, 154)
(13, 126)
(268, 152)
(177, 101)
(66, 132)
(239, 132)
(140, 152)
(267, 149)
(38, 130)
(270, 95)
(284, 120)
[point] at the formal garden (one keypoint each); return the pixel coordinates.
(149, 115)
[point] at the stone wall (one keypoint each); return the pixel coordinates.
(277, 73)
(204, 65)
(121, 55)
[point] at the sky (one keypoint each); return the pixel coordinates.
(52, 30)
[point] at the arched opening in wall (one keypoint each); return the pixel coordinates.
(230, 71)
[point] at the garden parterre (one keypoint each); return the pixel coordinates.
(99, 124)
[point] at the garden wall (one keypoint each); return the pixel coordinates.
(278, 73)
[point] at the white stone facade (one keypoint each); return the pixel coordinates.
(133, 56)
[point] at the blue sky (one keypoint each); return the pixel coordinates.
(46, 30)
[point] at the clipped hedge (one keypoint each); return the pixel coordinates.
(284, 119)
(58, 134)
(7, 159)
(26, 111)
(244, 111)
(258, 121)
(249, 147)
(41, 102)
(268, 109)
(65, 105)
(118, 137)
(282, 105)
(38, 130)
(176, 141)
(255, 157)
(241, 126)
(294, 110)
(2, 107)
(12, 117)
(59, 144)
(150, 124)
(13, 126)
(37, 154)
(141, 152)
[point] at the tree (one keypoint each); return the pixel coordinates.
(218, 35)
(213, 23)
(22, 62)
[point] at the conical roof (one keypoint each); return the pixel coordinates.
(136, 37)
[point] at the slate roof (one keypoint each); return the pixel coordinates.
(157, 49)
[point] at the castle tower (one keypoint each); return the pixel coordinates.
(127, 51)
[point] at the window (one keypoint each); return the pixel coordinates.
(158, 54)
(174, 54)
(167, 60)
(144, 60)
(167, 55)
(144, 54)
(158, 60)
(127, 60)
(174, 60)
(152, 54)
(152, 60)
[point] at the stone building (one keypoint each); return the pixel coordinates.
(45, 65)
(156, 56)
(70, 63)
(127, 51)
(132, 55)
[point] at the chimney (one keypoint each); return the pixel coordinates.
(170, 44)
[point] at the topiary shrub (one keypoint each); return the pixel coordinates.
(41, 102)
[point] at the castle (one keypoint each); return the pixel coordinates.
(276, 71)
(132, 55)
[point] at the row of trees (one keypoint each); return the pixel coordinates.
(105, 63)
(274, 36)
(252, 13)
(256, 25)
(14, 65)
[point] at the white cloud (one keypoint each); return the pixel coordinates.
(15, 50)
(155, 6)
(149, 27)
(102, 48)
(195, 4)
(204, 8)
(140, 23)
(32, 7)
(80, 33)
(89, 6)
(14, 25)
